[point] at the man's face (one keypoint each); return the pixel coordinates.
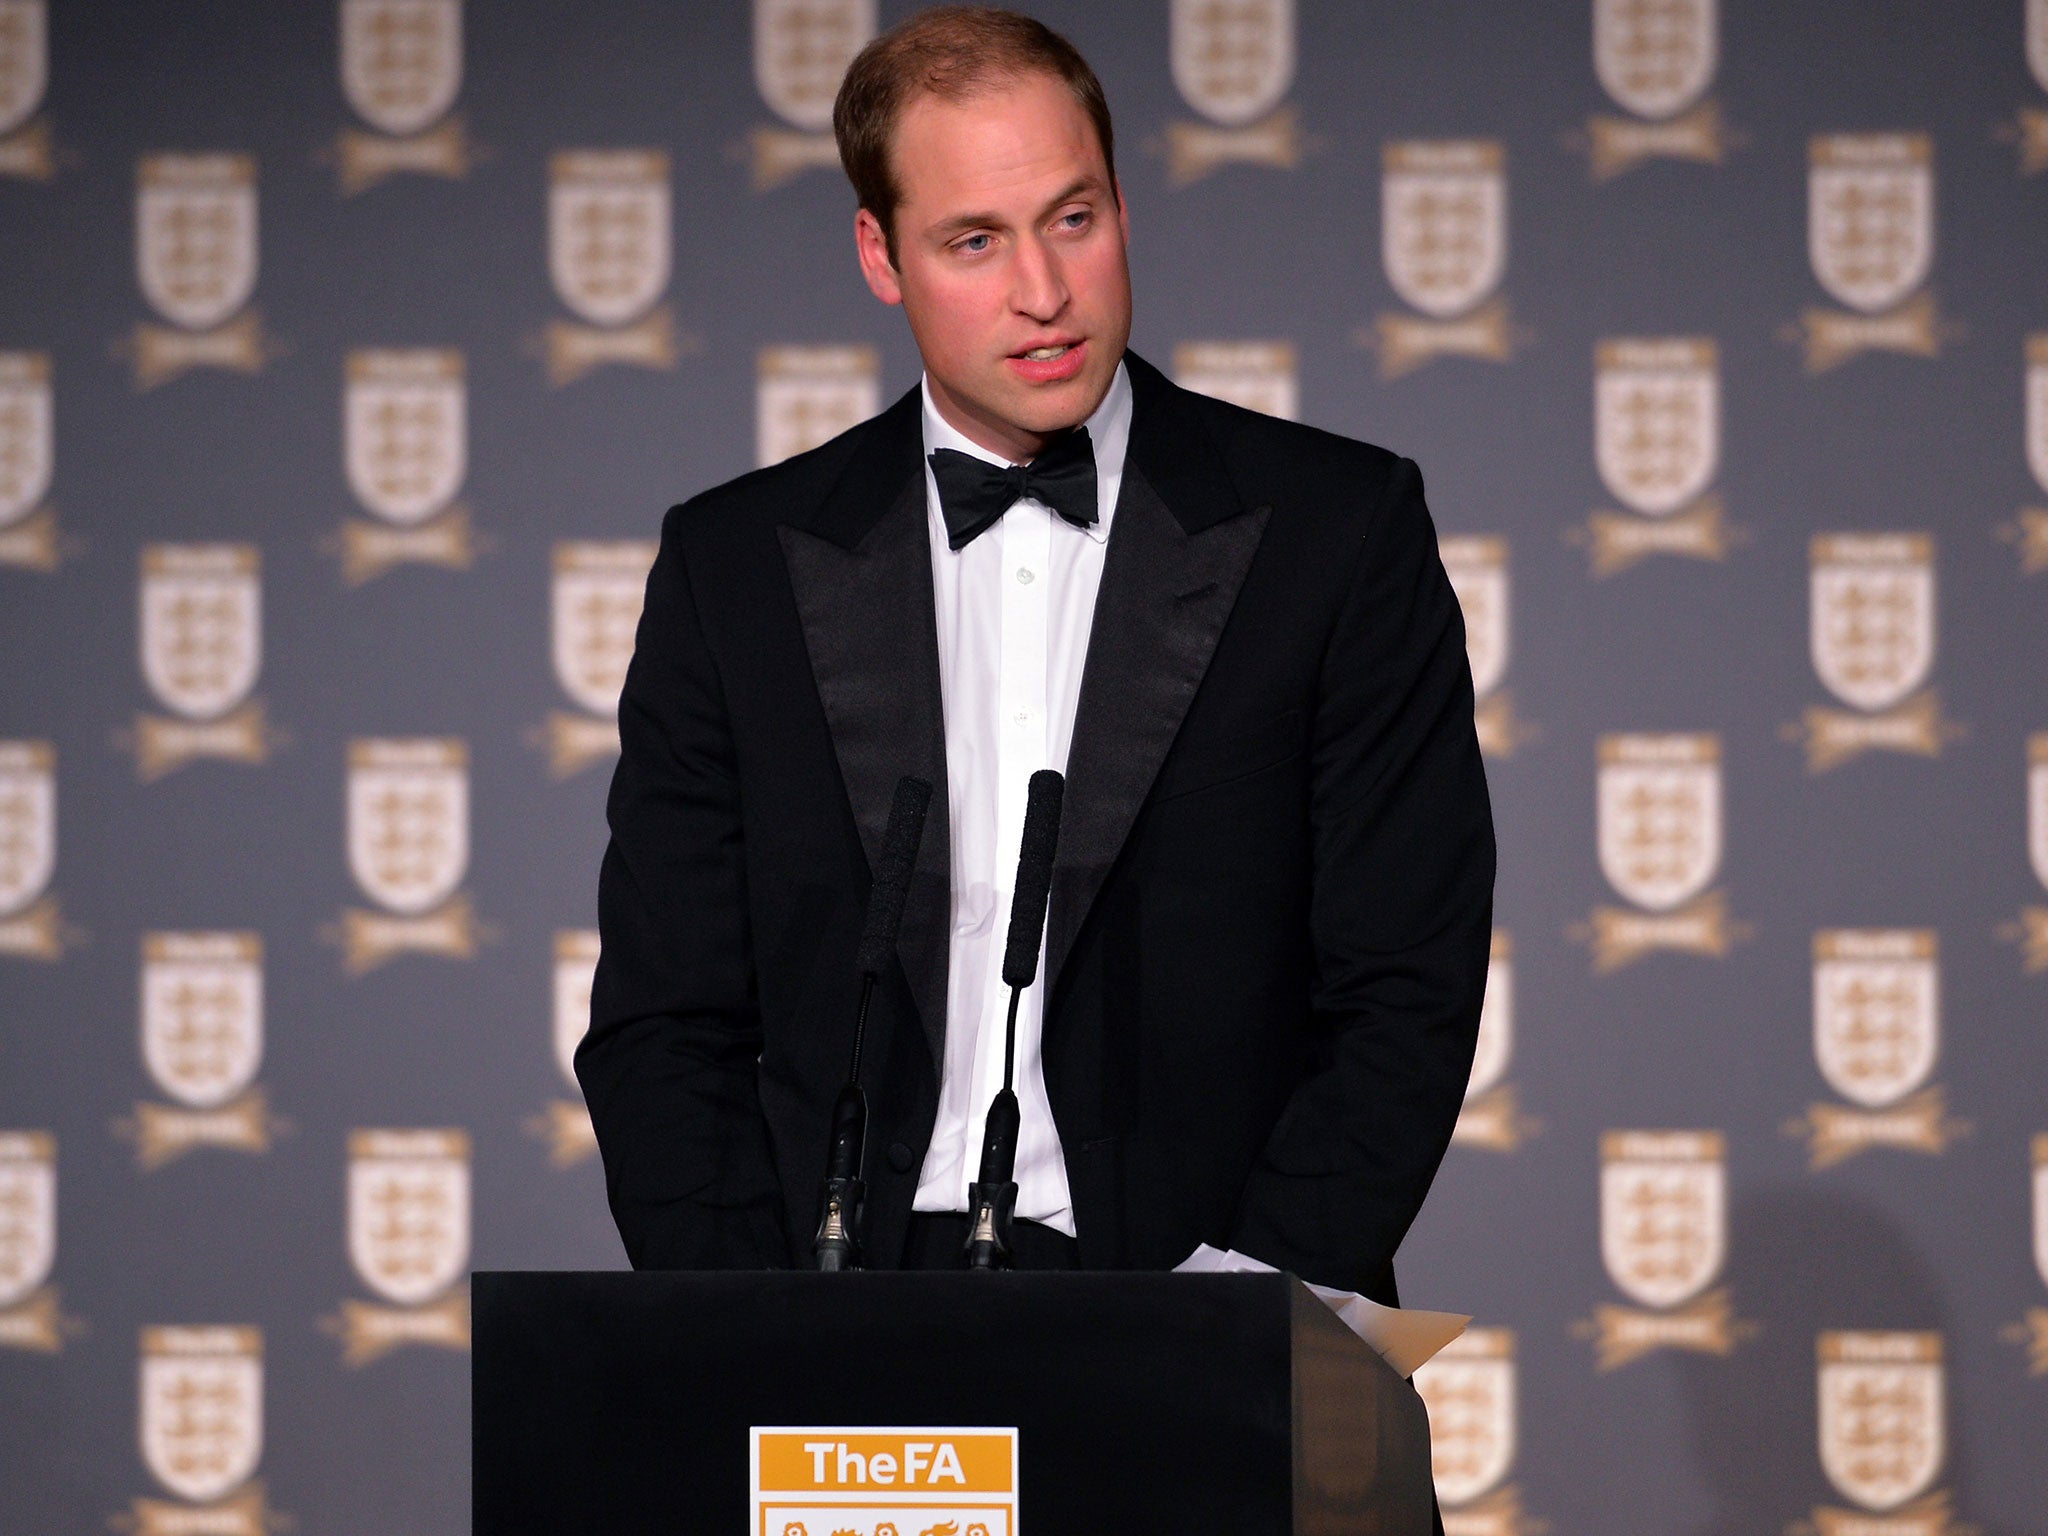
(1010, 242)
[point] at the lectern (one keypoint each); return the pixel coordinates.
(934, 1405)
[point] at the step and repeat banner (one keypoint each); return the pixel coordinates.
(349, 354)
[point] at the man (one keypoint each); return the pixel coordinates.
(1271, 904)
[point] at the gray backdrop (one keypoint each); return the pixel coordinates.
(326, 704)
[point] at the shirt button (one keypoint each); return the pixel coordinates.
(1023, 717)
(1023, 577)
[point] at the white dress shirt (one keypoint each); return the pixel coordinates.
(1015, 607)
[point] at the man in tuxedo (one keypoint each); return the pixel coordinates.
(1271, 903)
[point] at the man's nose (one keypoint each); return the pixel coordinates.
(1040, 289)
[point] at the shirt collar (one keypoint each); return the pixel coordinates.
(1109, 432)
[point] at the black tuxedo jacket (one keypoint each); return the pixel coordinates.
(1272, 898)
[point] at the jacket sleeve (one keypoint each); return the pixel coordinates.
(1400, 912)
(669, 1066)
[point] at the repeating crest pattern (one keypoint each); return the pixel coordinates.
(805, 396)
(1876, 1011)
(401, 61)
(195, 236)
(1258, 375)
(1496, 1019)
(28, 1213)
(609, 223)
(202, 1408)
(1655, 57)
(202, 1014)
(1870, 216)
(1663, 1213)
(2037, 804)
(1469, 1390)
(405, 430)
(1659, 803)
(1443, 222)
(24, 60)
(1657, 420)
(408, 820)
(2041, 1207)
(2037, 40)
(27, 433)
(2037, 402)
(202, 627)
(1478, 568)
(1872, 630)
(1232, 60)
(1883, 1415)
(28, 822)
(408, 1211)
(598, 590)
(801, 50)
(575, 969)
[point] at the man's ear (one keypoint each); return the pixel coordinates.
(873, 248)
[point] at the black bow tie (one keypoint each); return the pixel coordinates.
(974, 493)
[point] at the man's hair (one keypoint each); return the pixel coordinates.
(952, 52)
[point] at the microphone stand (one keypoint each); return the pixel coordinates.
(993, 1197)
(844, 1196)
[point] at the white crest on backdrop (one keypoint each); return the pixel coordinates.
(1468, 1387)
(1443, 222)
(2037, 40)
(202, 1014)
(401, 61)
(405, 430)
(1258, 375)
(1657, 420)
(804, 396)
(801, 50)
(1233, 60)
(408, 1211)
(595, 610)
(1663, 1213)
(1496, 1019)
(195, 236)
(28, 1213)
(1660, 816)
(2041, 1206)
(1876, 1012)
(1655, 57)
(575, 967)
(2037, 805)
(24, 61)
(1478, 569)
(1882, 1415)
(408, 820)
(2037, 403)
(1870, 216)
(202, 1408)
(28, 822)
(1872, 628)
(27, 433)
(202, 625)
(609, 218)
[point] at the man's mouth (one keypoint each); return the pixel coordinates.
(1047, 354)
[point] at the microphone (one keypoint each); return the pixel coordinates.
(994, 1196)
(838, 1239)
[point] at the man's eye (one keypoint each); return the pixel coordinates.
(973, 245)
(1075, 220)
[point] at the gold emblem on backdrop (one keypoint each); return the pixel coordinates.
(1490, 1118)
(1468, 1388)
(201, 1432)
(1871, 636)
(609, 233)
(1477, 566)
(202, 648)
(1663, 1238)
(2029, 528)
(32, 926)
(1883, 1435)
(405, 449)
(401, 70)
(594, 613)
(29, 539)
(2031, 1333)
(1870, 238)
(1657, 442)
(202, 1041)
(1659, 824)
(29, 1313)
(1259, 375)
(196, 260)
(2030, 932)
(408, 1238)
(2029, 130)
(1444, 244)
(1876, 1037)
(806, 396)
(1655, 59)
(1233, 62)
(27, 150)
(801, 50)
(565, 1124)
(408, 848)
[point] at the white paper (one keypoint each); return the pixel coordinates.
(1404, 1337)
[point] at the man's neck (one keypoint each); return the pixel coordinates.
(1005, 439)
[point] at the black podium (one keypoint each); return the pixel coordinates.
(1143, 1403)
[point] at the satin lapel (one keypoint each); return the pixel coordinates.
(871, 629)
(1166, 594)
